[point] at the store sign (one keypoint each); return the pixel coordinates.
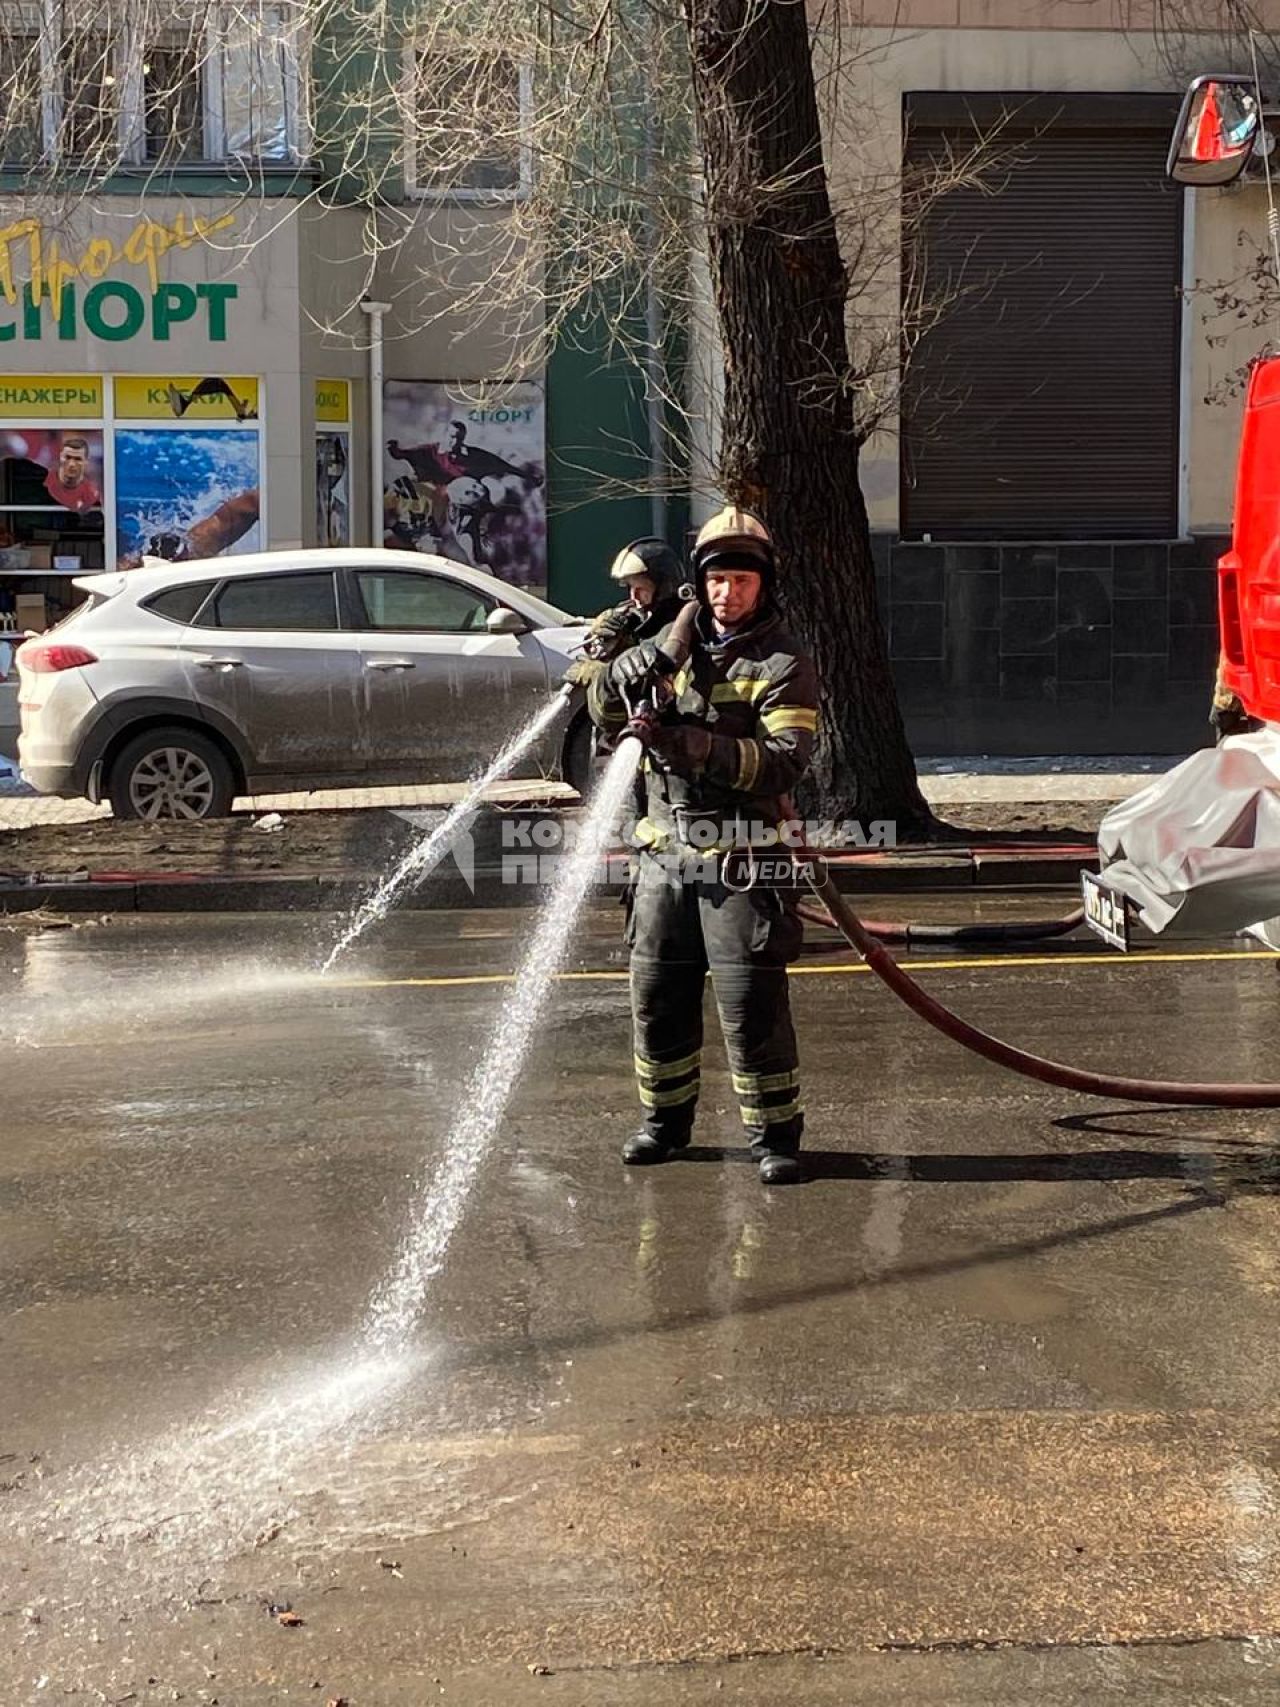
(48, 290)
(52, 396)
(186, 397)
(333, 400)
(115, 312)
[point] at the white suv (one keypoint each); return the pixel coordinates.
(176, 687)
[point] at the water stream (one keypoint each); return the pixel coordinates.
(397, 1302)
(219, 1485)
(427, 854)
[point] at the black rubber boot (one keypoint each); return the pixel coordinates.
(779, 1160)
(777, 1169)
(644, 1150)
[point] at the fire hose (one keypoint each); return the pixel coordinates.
(878, 959)
(993, 934)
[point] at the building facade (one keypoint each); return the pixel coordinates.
(222, 340)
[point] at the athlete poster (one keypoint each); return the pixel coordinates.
(464, 475)
(186, 493)
(59, 469)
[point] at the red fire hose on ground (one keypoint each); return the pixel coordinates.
(995, 934)
(899, 980)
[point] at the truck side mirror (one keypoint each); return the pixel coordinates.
(1217, 128)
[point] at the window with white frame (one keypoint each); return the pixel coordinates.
(86, 84)
(88, 61)
(468, 122)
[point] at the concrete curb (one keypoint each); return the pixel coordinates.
(881, 874)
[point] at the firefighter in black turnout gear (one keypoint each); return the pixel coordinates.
(736, 738)
(650, 572)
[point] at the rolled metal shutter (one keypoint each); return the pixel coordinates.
(1044, 404)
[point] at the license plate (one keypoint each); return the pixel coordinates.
(1105, 912)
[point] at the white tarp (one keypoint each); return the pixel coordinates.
(1198, 851)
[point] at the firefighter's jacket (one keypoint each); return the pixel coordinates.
(757, 694)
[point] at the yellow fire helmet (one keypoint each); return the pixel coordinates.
(651, 557)
(735, 539)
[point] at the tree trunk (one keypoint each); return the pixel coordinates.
(789, 448)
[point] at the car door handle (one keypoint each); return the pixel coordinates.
(207, 663)
(389, 664)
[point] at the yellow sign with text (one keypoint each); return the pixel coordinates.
(50, 397)
(183, 397)
(333, 400)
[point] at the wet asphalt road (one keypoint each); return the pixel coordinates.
(985, 1413)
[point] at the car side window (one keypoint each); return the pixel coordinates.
(180, 604)
(302, 602)
(399, 600)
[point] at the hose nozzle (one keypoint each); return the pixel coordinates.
(642, 723)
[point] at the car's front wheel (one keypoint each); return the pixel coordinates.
(171, 773)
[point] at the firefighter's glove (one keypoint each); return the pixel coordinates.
(612, 630)
(617, 623)
(584, 671)
(681, 747)
(634, 667)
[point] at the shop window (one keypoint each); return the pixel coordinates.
(468, 123)
(297, 602)
(189, 492)
(52, 526)
(181, 604)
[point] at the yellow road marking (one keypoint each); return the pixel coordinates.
(972, 962)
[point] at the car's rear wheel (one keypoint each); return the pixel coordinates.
(171, 773)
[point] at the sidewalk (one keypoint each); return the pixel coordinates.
(975, 781)
(21, 808)
(947, 782)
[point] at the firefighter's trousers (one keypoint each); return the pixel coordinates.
(680, 927)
